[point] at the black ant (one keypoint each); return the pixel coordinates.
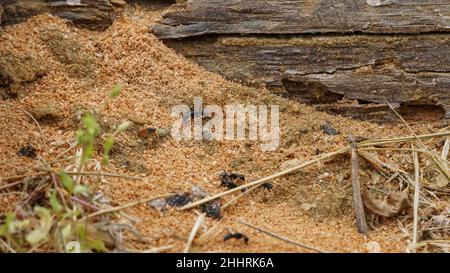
(236, 236)
(229, 179)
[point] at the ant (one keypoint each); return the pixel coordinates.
(236, 236)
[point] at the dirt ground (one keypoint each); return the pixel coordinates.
(313, 206)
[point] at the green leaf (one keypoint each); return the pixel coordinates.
(81, 230)
(115, 91)
(66, 181)
(95, 245)
(80, 137)
(106, 159)
(80, 189)
(107, 147)
(91, 124)
(88, 152)
(56, 206)
(66, 231)
(40, 233)
(6, 227)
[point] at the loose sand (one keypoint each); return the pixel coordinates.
(313, 206)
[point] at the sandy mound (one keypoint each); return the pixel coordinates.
(313, 207)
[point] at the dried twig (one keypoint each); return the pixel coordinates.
(238, 197)
(158, 249)
(122, 207)
(282, 237)
(395, 140)
(261, 181)
(361, 223)
(194, 231)
(416, 199)
(49, 173)
(445, 149)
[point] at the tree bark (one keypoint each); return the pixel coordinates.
(91, 14)
(322, 51)
(199, 17)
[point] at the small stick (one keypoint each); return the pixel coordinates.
(239, 196)
(194, 231)
(122, 207)
(8, 247)
(416, 199)
(282, 237)
(10, 185)
(158, 249)
(361, 223)
(267, 178)
(445, 149)
(49, 172)
(383, 141)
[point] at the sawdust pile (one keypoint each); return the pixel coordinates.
(313, 206)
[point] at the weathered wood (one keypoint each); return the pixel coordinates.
(360, 215)
(91, 14)
(199, 17)
(325, 69)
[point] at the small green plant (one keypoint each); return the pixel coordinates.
(54, 221)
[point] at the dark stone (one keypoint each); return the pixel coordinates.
(328, 129)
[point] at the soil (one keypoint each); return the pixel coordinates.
(313, 206)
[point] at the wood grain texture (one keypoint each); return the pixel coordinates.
(323, 69)
(91, 14)
(199, 17)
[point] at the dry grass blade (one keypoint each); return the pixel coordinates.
(282, 237)
(384, 141)
(361, 223)
(445, 149)
(194, 231)
(50, 172)
(122, 207)
(437, 162)
(260, 181)
(238, 197)
(159, 249)
(416, 199)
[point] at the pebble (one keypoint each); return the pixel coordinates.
(328, 129)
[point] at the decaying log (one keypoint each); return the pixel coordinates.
(325, 69)
(91, 14)
(199, 17)
(322, 51)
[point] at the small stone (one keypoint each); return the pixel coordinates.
(304, 130)
(290, 164)
(137, 120)
(328, 129)
(162, 132)
(118, 3)
(373, 247)
(306, 206)
(44, 109)
(158, 204)
(198, 192)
